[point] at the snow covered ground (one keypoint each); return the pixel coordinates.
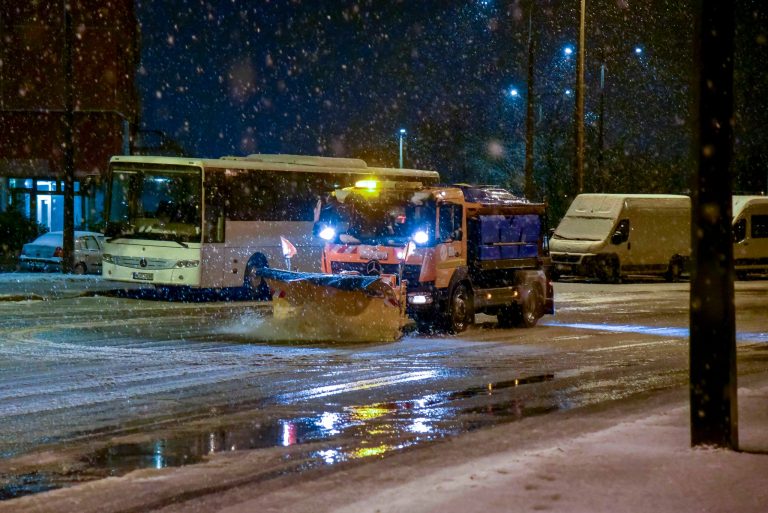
(632, 455)
(628, 457)
(16, 286)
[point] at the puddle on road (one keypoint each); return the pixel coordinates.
(375, 429)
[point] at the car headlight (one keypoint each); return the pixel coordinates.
(327, 233)
(421, 237)
(187, 263)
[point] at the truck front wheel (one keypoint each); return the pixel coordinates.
(460, 309)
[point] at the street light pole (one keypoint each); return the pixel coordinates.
(68, 243)
(601, 123)
(529, 187)
(402, 136)
(712, 351)
(579, 112)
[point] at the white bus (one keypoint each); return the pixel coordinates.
(206, 223)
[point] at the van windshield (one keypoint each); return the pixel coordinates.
(584, 228)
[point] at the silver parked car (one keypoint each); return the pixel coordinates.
(45, 252)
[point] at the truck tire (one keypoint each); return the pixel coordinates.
(530, 309)
(460, 312)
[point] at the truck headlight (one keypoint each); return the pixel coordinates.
(420, 299)
(327, 233)
(106, 257)
(420, 237)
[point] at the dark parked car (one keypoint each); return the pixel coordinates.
(45, 252)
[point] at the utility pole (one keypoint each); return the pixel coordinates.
(579, 111)
(530, 187)
(601, 127)
(69, 155)
(712, 312)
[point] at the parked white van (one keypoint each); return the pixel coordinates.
(611, 235)
(750, 234)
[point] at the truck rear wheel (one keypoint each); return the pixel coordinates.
(530, 309)
(460, 309)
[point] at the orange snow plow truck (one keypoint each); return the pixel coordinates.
(459, 250)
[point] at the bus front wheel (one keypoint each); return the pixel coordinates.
(254, 284)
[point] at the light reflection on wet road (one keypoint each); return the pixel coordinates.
(107, 385)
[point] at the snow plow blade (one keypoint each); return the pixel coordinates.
(334, 308)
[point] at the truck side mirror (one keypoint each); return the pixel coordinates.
(457, 234)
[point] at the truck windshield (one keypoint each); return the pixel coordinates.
(155, 205)
(584, 228)
(389, 220)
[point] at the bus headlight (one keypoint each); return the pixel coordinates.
(327, 233)
(421, 237)
(187, 263)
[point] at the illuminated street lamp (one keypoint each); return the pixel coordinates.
(579, 110)
(402, 136)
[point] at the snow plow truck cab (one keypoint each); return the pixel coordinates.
(460, 250)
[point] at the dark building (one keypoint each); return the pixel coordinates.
(33, 83)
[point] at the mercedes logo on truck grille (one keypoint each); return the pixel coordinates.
(373, 268)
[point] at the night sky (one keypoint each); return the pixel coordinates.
(339, 78)
(288, 77)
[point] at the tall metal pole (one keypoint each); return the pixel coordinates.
(69, 160)
(402, 135)
(530, 187)
(579, 112)
(712, 312)
(601, 127)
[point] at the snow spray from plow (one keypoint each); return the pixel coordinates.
(331, 307)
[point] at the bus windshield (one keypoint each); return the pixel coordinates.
(156, 204)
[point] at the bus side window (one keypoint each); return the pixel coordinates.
(215, 200)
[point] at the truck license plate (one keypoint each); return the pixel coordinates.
(143, 276)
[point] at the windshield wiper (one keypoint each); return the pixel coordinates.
(148, 235)
(178, 241)
(557, 236)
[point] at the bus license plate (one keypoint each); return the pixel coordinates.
(143, 276)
